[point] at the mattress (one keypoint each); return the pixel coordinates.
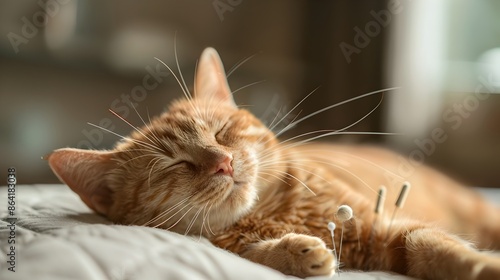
(57, 237)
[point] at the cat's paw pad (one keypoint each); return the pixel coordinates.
(308, 255)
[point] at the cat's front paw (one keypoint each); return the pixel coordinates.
(307, 255)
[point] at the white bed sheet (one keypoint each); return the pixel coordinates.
(58, 237)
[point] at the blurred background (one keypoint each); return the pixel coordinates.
(63, 63)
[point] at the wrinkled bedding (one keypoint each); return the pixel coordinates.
(58, 237)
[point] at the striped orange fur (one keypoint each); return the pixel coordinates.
(274, 204)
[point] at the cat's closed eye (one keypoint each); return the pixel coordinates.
(181, 164)
(219, 135)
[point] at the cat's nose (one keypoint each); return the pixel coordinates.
(224, 166)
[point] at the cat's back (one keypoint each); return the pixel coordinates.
(363, 169)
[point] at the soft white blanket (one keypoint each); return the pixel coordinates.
(58, 237)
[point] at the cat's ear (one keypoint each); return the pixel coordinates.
(211, 81)
(85, 172)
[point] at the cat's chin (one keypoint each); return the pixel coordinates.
(241, 198)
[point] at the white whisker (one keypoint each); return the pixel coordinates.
(249, 85)
(275, 176)
(193, 221)
(291, 125)
(329, 131)
(176, 78)
(277, 165)
(208, 220)
(151, 172)
(289, 112)
(277, 114)
(138, 157)
(179, 68)
(300, 181)
(126, 138)
(148, 126)
(180, 219)
(168, 210)
(131, 125)
(203, 215)
(303, 161)
(241, 62)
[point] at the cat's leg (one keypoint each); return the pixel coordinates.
(430, 253)
(476, 217)
(293, 254)
(486, 226)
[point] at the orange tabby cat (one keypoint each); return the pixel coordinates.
(206, 167)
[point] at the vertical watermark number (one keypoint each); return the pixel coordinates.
(11, 218)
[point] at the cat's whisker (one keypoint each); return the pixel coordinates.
(280, 121)
(173, 215)
(216, 105)
(344, 128)
(148, 126)
(296, 163)
(193, 221)
(297, 179)
(175, 76)
(163, 213)
(131, 125)
(278, 113)
(154, 159)
(149, 117)
(361, 133)
(291, 125)
(284, 147)
(142, 149)
(151, 172)
(372, 163)
(208, 220)
(275, 117)
(208, 114)
(289, 112)
(137, 157)
(162, 143)
(249, 85)
(276, 164)
(265, 179)
(328, 132)
(168, 210)
(351, 173)
(296, 144)
(189, 96)
(139, 142)
(203, 215)
(197, 111)
(288, 153)
(352, 124)
(238, 64)
(180, 219)
(275, 176)
(336, 166)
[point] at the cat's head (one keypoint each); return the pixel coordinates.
(200, 162)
